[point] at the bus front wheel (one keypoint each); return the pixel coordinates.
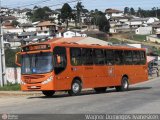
(124, 85)
(48, 93)
(76, 88)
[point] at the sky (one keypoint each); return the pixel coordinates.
(88, 4)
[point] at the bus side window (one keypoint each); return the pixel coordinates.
(109, 57)
(128, 57)
(136, 58)
(61, 52)
(87, 56)
(119, 57)
(143, 57)
(75, 54)
(99, 56)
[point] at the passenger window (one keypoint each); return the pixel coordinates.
(128, 57)
(109, 57)
(61, 65)
(87, 56)
(118, 57)
(75, 56)
(99, 57)
(143, 57)
(136, 57)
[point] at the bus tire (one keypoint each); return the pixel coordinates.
(76, 88)
(48, 93)
(124, 85)
(100, 90)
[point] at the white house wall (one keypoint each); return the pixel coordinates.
(144, 30)
(17, 30)
(30, 29)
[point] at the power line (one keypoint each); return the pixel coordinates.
(39, 2)
(63, 3)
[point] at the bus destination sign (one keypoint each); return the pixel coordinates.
(36, 47)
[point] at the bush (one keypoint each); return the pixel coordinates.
(10, 57)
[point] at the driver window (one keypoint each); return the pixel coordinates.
(59, 66)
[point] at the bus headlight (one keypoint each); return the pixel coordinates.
(48, 80)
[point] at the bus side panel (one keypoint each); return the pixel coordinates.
(119, 72)
(100, 76)
(141, 74)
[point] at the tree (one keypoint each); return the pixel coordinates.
(39, 14)
(99, 19)
(139, 12)
(79, 7)
(15, 23)
(126, 10)
(132, 11)
(66, 13)
(103, 23)
(10, 57)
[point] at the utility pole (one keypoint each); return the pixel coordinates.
(2, 55)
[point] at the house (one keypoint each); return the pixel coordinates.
(7, 18)
(152, 20)
(9, 28)
(27, 27)
(143, 30)
(95, 33)
(54, 15)
(21, 15)
(113, 13)
(4, 11)
(24, 35)
(154, 38)
(156, 27)
(70, 34)
(46, 28)
(137, 22)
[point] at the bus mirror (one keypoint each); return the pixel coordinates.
(58, 59)
(17, 61)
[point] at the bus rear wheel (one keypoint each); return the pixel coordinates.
(48, 93)
(124, 85)
(76, 88)
(100, 90)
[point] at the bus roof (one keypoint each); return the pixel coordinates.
(77, 42)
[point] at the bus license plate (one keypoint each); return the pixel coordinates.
(33, 86)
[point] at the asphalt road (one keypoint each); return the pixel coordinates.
(141, 98)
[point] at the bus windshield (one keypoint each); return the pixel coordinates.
(37, 63)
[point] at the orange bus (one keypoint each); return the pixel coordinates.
(60, 66)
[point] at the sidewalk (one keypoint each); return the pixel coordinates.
(20, 93)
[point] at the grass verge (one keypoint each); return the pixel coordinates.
(10, 87)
